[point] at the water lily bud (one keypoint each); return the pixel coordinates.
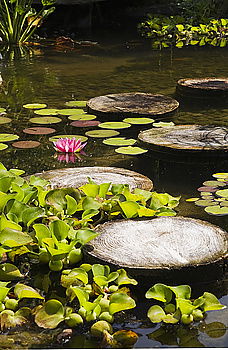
(2, 307)
(113, 288)
(170, 308)
(11, 304)
(75, 256)
(197, 315)
(99, 327)
(106, 316)
(73, 320)
(82, 311)
(186, 319)
(44, 257)
(104, 304)
(55, 265)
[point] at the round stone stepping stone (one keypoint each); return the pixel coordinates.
(132, 104)
(76, 177)
(187, 138)
(203, 87)
(159, 244)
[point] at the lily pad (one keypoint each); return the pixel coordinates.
(47, 111)
(163, 124)
(3, 146)
(82, 117)
(70, 111)
(76, 103)
(119, 141)
(213, 183)
(217, 210)
(8, 137)
(224, 203)
(5, 120)
(138, 120)
(35, 105)
(204, 202)
(45, 120)
(207, 189)
(220, 175)
(2, 110)
(102, 133)
(85, 123)
(222, 193)
(192, 199)
(114, 125)
(26, 144)
(39, 131)
(131, 150)
(82, 138)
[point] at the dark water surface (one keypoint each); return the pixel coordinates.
(54, 76)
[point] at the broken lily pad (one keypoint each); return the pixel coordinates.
(217, 210)
(35, 105)
(55, 138)
(3, 146)
(39, 131)
(119, 141)
(47, 111)
(131, 150)
(8, 137)
(5, 120)
(114, 125)
(138, 121)
(102, 133)
(26, 144)
(45, 120)
(76, 103)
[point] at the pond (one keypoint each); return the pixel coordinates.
(54, 75)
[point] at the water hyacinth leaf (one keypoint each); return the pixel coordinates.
(182, 291)
(26, 144)
(39, 131)
(185, 306)
(71, 277)
(42, 232)
(47, 111)
(222, 193)
(45, 120)
(124, 279)
(3, 146)
(91, 190)
(76, 103)
(2, 109)
(55, 138)
(102, 133)
(59, 229)
(85, 123)
(204, 202)
(156, 314)
(131, 150)
(31, 214)
(9, 272)
(114, 125)
(213, 183)
(35, 105)
(90, 203)
(159, 292)
(82, 117)
(23, 291)
(13, 238)
(129, 208)
(120, 302)
(217, 210)
(163, 124)
(50, 314)
(138, 121)
(79, 293)
(9, 319)
(5, 120)
(8, 137)
(3, 291)
(85, 235)
(211, 302)
(119, 141)
(4, 223)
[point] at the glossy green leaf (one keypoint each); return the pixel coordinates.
(5, 223)
(23, 291)
(14, 238)
(91, 190)
(138, 121)
(10, 319)
(5, 120)
(35, 105)
(131, 150)
(9, 272)
(185, 306)
(90, 203)
(2, 109)
(204, 202)
(124, 279)
(47, 111)
(59, 229)
(8, 137)
(119, 141)
(120, 302)
(217, 210)
(71, 277)
(102, 133)
(156, 314)
(143, 211)
(129, 208)
(31, 214)
(50, 314)
(114, 125)
(42, 231)
(82, 117)
(220, 175)
(70, 111)
(76, 103)
(182, 291)
(211, 302)
(45, 120)
(222, 193)
(85, 235)
(3, 291)
(3, 146)
(159, 292)
(71, 205)
(77, 137)
(163, 124)
(79, 293)
(100, 270)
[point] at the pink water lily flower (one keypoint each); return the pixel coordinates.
(67, 145)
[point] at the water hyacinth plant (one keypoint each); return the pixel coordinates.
(67, 145)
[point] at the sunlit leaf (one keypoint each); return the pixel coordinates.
(76, 103)
(82, 117)
(211, 302)
(124, 279)
(50, 314)
(119, 141)
(138, 121)
(59, 229)
(47, 111)
(3, 146)
(182, 291)
(120, 302)
(9, 272)
(102, 133)
(5, 120)
(217, 210)
(156, 314)
(23, 291)
(163, 124)
(114, 125)
(131, 150)
(13, 238)
(71, 277)
(159, 292)
(222, 193)
(8, 137)
(45, 120)
(35, 105)
(129, 208)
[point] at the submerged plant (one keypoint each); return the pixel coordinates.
(19, 20)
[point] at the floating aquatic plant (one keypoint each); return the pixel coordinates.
(45, 120)
(35, 105)
(76, 103)
(67, 145)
